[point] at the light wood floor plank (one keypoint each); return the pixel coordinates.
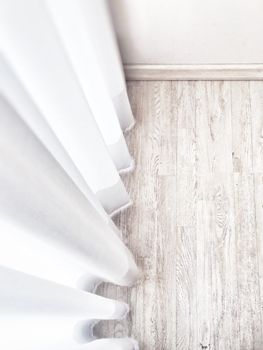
(186, 153)
(204, 228)
(166, 263)
(250, 325)
(242, 129)
(186, 263)
(216, 195)
(213, 126)
(258, 180)
(166, 100)
(186, 289)
(256, 98)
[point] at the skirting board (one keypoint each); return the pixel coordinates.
(194, 72)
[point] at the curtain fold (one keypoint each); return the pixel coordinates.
(80, 43)
(63, 110)
(46, 315)
(34, 47)
(38, 196)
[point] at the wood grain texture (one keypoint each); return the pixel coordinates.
(193, 72)
(197, 221)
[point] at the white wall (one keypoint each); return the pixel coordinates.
(189, 31)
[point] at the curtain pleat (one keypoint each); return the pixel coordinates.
(63, 110)
(43, 314)
(13, 90)
(98, 24)
(81, 48)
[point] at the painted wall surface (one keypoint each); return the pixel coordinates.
(189, 31)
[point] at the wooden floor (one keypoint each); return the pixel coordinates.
(196, 226)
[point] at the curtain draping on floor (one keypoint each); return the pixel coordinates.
(63, 110)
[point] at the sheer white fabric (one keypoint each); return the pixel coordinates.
(63, 107)
(40, 51)
(38, 314)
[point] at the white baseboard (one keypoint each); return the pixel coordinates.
(194, 72)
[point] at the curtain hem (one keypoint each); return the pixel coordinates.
(130, 127)
(120, 209)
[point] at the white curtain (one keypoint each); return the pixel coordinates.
(63, 110)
